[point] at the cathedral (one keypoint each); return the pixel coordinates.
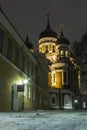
(64, 75)
(48, 78)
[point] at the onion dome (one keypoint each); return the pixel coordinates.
(28, 43)
(48, 32)
(63, 40)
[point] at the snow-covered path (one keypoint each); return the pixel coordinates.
(45, 120)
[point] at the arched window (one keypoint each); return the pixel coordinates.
(62, 52)
(41, 49)
(53, 48)
(66, 99)
(67, 53)
(46, 49)
(65, 77)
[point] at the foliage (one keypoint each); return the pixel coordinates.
(80, 47)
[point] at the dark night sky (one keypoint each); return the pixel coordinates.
(29, 16)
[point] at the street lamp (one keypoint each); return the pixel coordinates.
(76, 101)
(25, 81)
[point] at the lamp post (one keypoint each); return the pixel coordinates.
(76, 102)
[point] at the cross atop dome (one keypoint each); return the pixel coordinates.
(48, 32)
(62, 29)
(48, 23)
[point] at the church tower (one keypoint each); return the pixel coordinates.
(47, 42)
(63, 75)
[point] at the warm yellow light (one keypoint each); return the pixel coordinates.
(59, 80)
(20, 82)
(54, 58)
(49, 79)
(55, 79)
(67, 53)
(62, 53)
(23, 82)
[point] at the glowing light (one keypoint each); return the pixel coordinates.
(25, 81)
(59, 79)
(76, 101)
(20, 82)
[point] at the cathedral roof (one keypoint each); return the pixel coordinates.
(63, 40)
(48, 32)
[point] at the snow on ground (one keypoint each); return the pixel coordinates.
(44, 120)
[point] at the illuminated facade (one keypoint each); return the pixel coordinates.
(49, 78)
(64, 79)
(18, 72)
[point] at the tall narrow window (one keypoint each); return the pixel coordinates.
(40, 49)
(43, 48)
(50, 48)
(65, 77)
(53, 48)
(32, 71)
(29, 92)
(28, 68)
(67, 53)
(54, 78)
(62, 53)
(1, 39)
(9, 50)
(59, 78)
(17, 56)
(46, 49)
(33, 94)
(23, 63)
(39, 98)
